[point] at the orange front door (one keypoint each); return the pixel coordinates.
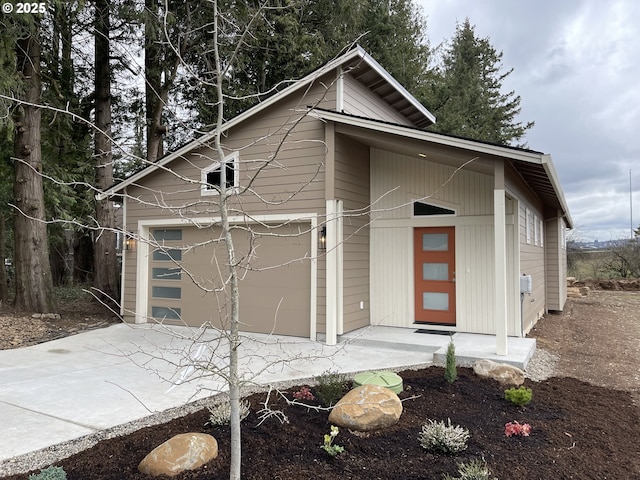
(434, 275)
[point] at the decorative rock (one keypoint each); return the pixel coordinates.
(574, 292)
(584, 291)
(502, 372)
(47, 316)
(571, 281)
(186, 451)
(367, 408)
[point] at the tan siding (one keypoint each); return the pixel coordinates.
(555, 264)
(360, 101)
(532, 262)
(352, 187)
(293, 168)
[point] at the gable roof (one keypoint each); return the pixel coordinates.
(366, 70)
(536, 168)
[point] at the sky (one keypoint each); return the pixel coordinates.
(576, 67)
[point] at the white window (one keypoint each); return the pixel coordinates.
(217, 176)
(536, 231)
(529, 224)
(541, 228)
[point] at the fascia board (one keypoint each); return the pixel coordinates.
(550, 169)
(356, 52)
(395, 84)
(205, 139)
(524, 156)
(400, 130)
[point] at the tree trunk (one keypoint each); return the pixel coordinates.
(153, 82)
(105, 260)
(4, 284)
(34, 287)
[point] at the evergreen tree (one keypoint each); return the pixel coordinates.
(34, 285)
(290, 38)
(466, 95)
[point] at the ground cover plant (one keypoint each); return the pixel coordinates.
(578, 432)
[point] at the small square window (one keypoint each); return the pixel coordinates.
(215, 177)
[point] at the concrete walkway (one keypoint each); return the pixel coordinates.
(68, 388)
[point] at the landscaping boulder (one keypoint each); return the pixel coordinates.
(186, 451)
(574, 292)
(367, 408)
(502, 372)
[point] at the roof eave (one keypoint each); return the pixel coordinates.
(488, 149)
(356, 52)
(550, 168)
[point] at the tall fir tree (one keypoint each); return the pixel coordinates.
(466, 92)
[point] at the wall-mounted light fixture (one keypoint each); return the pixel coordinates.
(129, 241)
(322, 238)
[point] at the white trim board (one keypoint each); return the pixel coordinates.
(143, 251)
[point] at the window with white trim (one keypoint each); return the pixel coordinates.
(541, 228)
(221, 175)
(528, 224)
(536, 230)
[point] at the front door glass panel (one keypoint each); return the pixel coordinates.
(435, 301)
(435, 271)
(435, 242)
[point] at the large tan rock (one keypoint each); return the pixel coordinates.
(502, 372)
(186, 451)
(367, 408)
(574, 292)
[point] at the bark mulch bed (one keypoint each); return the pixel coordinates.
(579, 431)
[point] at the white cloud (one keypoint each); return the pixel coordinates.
(576, 68)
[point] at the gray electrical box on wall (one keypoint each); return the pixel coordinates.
(526, 284)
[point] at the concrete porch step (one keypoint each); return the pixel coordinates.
(469, 346)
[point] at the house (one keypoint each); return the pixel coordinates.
(349, 212)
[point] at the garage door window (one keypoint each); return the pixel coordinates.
(166, 273)
(168, 313)
(167, 235)
(166, 292)
(171, 254)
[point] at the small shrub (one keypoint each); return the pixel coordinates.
(518, 396)
(330, 388)
(304, 394)
(450, 370)
(443, 438)
(220, 413)
(50, 473)
(474, 470)
(328, 445)
(517, 429)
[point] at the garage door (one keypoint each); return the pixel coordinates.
(187, 278)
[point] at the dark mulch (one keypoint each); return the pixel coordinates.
(579, 431)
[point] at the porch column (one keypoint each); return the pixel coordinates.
(500, 256)
(332, 275)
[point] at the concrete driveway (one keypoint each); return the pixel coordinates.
(75, 386)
